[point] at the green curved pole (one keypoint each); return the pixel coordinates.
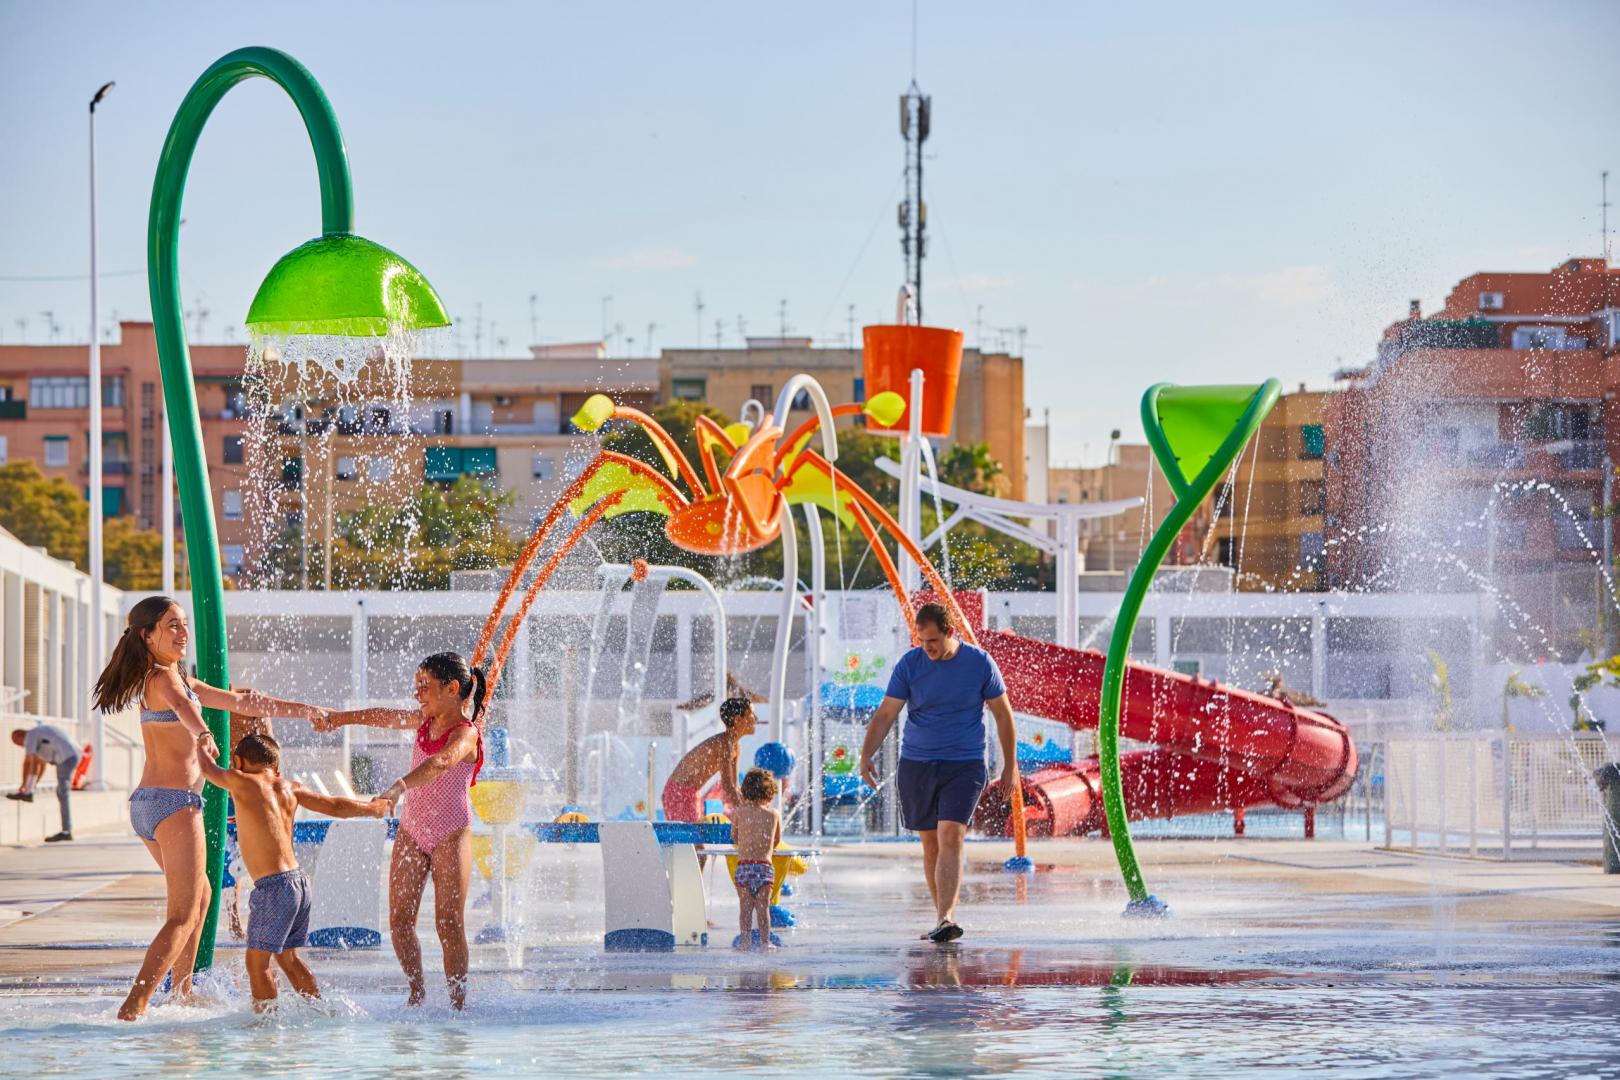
(179, 390)
(1189, 495)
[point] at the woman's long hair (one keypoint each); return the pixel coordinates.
(131, 662)
(450, 667)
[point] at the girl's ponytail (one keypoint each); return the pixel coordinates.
(479, 688)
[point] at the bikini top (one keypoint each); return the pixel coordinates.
(166, 716)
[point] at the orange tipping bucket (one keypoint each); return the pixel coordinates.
(890, 355)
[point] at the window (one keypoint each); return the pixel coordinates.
(112, 501)
(56, 451)
(292, 472)
(761, 392)
(59, 392)
(1312, 497)
(3, 454)
(801, 400)
(346, 468)
(1311, 547)
(1223, 551)
(544, 468)
(112, 391)
(449, 463)
(689, 389)
(441, 463)
(233, 450)
(231, 505)
(232, 556)
(547, 416)
(1573, 527)
(379, 470)
(1542, 337)
(1310, 437)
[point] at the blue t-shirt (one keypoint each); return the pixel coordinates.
(945, 703)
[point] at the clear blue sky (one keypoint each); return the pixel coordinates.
(1184, 192)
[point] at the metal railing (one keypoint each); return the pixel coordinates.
(1496, 794)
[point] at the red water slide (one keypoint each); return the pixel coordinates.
(1215, 748)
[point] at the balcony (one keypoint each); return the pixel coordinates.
(1563, 455)
(14, 410)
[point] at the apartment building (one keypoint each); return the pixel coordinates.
(1476, 450)
(1114, 545)
(1271, 526)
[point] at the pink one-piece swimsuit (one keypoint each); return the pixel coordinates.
(437, 810)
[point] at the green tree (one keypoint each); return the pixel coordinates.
(51, 513)
(970, 466)
(1597, 673)
(133, 558)
(416, 545)
(45, 512)
(1516, 687)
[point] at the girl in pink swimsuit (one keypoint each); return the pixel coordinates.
(434, 838)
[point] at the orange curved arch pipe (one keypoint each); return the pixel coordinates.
(656, 431)
(705, 426)
(852, 408)
(892, 527)
(592, 516)
(569, 494)
(890, 572)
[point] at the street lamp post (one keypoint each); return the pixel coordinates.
(98, 632)
(1108, 474)
(338, 285)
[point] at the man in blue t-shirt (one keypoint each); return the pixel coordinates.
(944, 685)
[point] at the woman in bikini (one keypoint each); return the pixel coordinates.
(435, 827)
(166, 810)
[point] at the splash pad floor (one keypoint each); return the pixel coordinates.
(1283, 955)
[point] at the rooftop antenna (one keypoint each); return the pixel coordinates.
(914, 124)
(534, 318)
(650, 328)
(697, 306)
(850, 315)
(1603, 206)
(781, 313)
(607, 304)
(719, 332)
(50, 323)
(478, 329)
(742, 329)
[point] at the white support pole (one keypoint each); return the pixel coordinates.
(815, 631)
(358, 660)
(790, 540)
(1319, 655)
(784, 625)
(1068, 581)
(97, 571)
(166, 505)
(911, 481)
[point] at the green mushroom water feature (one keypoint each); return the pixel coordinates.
(337, 301)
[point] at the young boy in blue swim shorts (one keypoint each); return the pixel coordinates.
(756, 831)
(278, 909)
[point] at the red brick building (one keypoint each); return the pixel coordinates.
(1472, 452)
